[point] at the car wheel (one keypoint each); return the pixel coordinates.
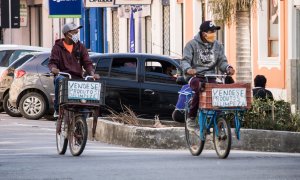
(32, 105)
(9, 109)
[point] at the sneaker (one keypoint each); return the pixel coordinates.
(193, 126)
(55, 115)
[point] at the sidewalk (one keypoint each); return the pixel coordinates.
(174, 138)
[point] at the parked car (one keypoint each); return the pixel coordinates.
(31, 91)
(6, 78)
(10, 52)
(144, 82)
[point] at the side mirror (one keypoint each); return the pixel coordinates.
(180, 80)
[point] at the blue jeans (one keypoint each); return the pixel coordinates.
(57, 79)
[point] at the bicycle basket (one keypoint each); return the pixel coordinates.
(77, 91)
(220, 96)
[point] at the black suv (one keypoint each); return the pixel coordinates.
(144, 82)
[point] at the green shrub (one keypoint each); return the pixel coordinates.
(271, 115)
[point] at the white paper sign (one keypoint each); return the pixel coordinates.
(84, 90)
(229, 97)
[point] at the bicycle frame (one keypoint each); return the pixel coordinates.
(212, 115)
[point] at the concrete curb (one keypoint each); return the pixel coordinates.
(174, 138)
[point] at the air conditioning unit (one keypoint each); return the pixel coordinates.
(297, 4)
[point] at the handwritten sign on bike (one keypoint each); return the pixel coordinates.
(84, 90)
(229, 97)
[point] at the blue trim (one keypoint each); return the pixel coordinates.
(105, 39)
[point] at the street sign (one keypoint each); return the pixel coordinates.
(65, 8)
(15, 14)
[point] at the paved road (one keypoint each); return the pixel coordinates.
(28, 152)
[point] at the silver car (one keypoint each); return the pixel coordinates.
(31, 91)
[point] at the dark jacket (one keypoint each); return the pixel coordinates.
(262, 93)
(70, 62)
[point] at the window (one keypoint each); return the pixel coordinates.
(273, 28)
(45, 63)
(160, 71)
(2, 54)
(103, 67)
(124, 68)
(17, 54)
(21, 61)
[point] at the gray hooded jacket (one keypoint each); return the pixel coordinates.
(204, 57)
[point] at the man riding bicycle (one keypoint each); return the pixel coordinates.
(202, 54)
(69, 55)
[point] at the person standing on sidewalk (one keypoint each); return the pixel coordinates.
(69, 55)
(203, 54)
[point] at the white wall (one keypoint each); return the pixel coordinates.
(175, 29)
(109, 29)
(157, 36)
(123, 42)
(197, 16)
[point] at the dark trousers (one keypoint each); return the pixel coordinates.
(196, 85)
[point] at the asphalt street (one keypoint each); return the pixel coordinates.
(28, 152)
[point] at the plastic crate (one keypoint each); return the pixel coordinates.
(228, 96)
(81, 90)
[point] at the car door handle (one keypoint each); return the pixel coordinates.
(149, 92)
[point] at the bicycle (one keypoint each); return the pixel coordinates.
(213, 113)
(77, 100)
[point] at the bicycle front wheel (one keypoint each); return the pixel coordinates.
(61, 135)
(78, 135)
(195, 144)
(222, 138)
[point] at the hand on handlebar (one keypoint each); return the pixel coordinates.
(96, 76)
(191, 71)
(55, 71)
(230, 71)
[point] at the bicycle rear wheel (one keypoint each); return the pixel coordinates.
(78, 135)
(195, 144)
(222, 138)
(61, 135)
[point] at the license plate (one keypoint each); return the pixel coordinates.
(84, 90)
(229, 97)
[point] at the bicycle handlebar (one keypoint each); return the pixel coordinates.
(67, 74)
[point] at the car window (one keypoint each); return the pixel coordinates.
(103, 66)
(21, 61)
(95, 60)
(17, 54)
(124, 68)
(2, 54)
(160, 71)
(45, 63)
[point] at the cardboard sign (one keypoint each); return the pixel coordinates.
(84, 90)
(229, 97)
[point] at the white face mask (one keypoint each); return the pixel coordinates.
(75, 37)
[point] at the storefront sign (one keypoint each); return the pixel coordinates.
(124, 2)
(65, 8)
(23, 13)
(225, 97)
(99, 3)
